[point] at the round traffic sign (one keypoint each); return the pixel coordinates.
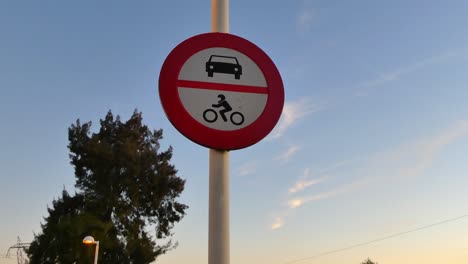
(221, 91)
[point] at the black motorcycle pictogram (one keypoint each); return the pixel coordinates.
(210, 115)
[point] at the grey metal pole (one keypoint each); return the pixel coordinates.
(218, 233)
(218, 230)
(220, 16)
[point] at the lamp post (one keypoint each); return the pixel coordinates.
(90, 240)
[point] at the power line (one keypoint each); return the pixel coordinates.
(376, 240)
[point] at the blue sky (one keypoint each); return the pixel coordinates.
(372, 140)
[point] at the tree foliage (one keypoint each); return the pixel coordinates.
(126, 192)
(368, 261)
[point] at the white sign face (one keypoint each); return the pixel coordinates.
(222, 89)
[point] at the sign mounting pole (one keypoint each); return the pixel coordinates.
(224, 93)
(218, 230)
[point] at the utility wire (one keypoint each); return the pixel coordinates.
(376, 240)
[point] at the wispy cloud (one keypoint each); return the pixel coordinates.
(277, 223)
(411, 160)
(292, 113)
(299, 201)
(246, 169)
(305, 182)
(305, 19)
(406, 161)
(288, 154)
(366, 87)
(294, 203)
(337, 165)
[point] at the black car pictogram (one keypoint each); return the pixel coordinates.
(223, 64)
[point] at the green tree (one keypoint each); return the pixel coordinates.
(126, 192)
(368, 261)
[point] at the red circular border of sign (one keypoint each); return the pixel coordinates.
(199, 133)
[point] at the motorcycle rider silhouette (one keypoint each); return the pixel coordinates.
(223, 103)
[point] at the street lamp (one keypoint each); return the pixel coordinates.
(90, 240)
